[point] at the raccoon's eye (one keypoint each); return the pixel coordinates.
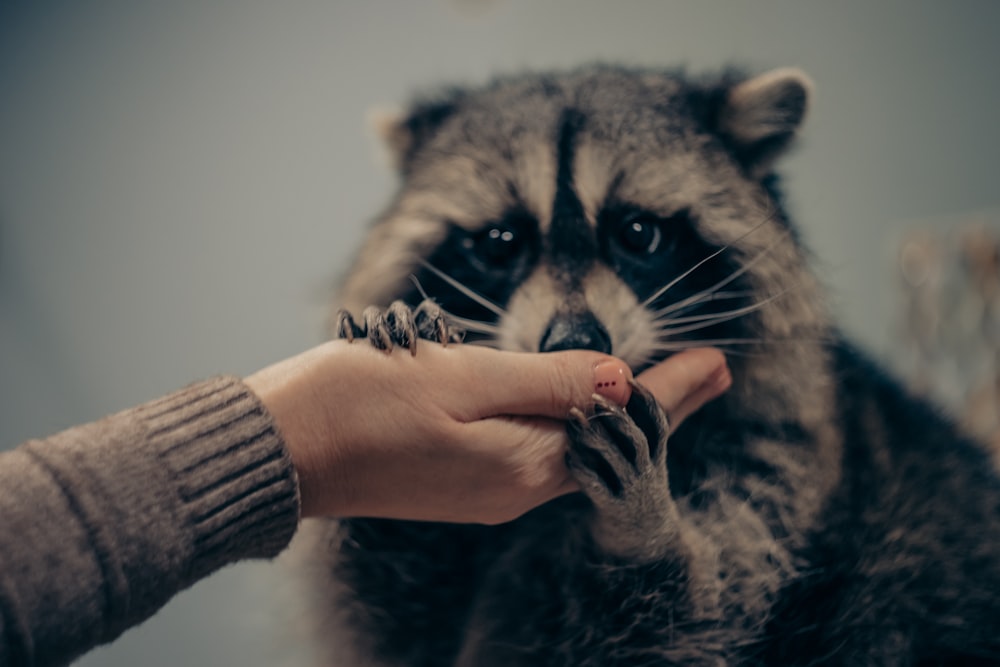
(495, 246)
(640, 235)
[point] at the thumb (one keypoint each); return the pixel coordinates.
(687, 380)
(550, 384)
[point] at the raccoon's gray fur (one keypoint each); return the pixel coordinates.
(814, 514)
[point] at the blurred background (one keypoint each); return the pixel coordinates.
(182, 183)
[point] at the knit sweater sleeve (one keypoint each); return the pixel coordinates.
(102, 524)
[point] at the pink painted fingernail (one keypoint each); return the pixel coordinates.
(611, 381)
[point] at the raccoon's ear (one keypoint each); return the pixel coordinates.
(760, 116)
(387, 123)
(403, 133)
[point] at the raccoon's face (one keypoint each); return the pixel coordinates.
(623, 211)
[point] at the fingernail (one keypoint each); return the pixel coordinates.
(719, 381)
(611, 381)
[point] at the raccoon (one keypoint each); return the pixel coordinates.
(814, 514)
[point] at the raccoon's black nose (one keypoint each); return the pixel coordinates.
(578, 331)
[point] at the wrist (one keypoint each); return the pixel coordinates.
(292, 392)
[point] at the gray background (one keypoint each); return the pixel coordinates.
(180, 184)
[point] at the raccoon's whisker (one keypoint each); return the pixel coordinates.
(472, 294)
(663, 290)
(466, 323)
(655, 358)
(717, 314)
(667, 332)
(491, 343)
(745, 354)
(420, 288)
(707, 320)
(676, 345)
(670, 346)
(728, 351)
(473, 325)
(694, 298)
(728, 346)
(717, 296)
(660, 292)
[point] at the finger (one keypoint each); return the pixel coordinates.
(530, 452)
(686, 381)
(546, 385)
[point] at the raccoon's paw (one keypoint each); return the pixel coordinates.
(399, 325)
(618, 456)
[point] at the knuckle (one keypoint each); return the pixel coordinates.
(564, 388)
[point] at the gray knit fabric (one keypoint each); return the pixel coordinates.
(101, 524)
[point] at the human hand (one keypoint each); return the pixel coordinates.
(461, 433)
(686, 381)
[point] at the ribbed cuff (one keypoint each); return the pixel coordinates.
(234, 477)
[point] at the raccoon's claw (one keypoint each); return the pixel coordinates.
(630, 442)
(401, 327)
(346, 327)
(432, 324)
(618, 456)
(398, 325)
(394, 326)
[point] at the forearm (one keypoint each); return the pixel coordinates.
(102, 524)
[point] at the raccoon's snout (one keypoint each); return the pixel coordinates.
(575, 331)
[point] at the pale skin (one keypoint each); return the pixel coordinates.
(460, 433)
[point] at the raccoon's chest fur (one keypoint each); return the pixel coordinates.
(818, 515)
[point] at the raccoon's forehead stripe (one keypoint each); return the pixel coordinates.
(570, 237)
